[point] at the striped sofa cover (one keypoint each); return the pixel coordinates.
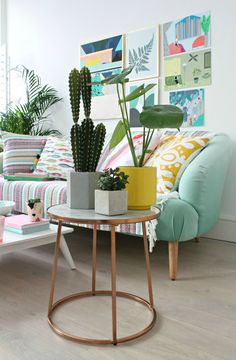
(51, 193)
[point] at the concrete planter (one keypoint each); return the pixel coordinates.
(80, 189)
(111, 202)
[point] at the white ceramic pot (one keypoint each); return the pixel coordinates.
(35, 212)
(111, 202)
(80, 189)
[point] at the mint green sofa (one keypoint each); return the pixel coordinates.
(200, 191)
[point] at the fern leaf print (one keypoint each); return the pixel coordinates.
(139, 58)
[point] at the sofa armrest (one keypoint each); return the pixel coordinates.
(203, 181)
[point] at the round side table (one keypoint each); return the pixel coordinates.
(62, 213)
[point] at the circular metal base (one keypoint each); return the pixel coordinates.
(101, 341)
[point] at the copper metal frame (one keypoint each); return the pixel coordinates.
(113, 292)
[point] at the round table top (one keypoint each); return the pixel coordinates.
(79, 216)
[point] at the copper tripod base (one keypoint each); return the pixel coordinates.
(92, 341)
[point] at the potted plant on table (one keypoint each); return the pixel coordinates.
(112, 197)
(142, 180)
(86, 141)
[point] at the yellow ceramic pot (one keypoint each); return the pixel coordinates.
(142, 186)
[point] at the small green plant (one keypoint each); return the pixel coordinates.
(86, 140)
(113, 179)
(31, 202)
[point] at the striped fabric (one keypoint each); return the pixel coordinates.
(50, 192)
(20, 152)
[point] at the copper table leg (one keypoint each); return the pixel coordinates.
(94, 259)
(113, 283)
(148, 267)
(113, 293)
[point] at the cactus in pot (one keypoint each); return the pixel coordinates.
(86, 142)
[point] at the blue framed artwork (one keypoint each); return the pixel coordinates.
(192, 104)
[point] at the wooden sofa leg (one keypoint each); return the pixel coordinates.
(197, 239)
(173, 258)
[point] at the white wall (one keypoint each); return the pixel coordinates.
(45, 35)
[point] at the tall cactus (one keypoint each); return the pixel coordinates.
(86, 141)
(75, 90)
(86, 88)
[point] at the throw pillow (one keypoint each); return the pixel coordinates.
(121, 155)
(173, 156)
(20, 152)
(56, 158)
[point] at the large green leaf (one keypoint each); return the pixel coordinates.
(161, 116)
(118, 79)
(141, 90)
(118, 135)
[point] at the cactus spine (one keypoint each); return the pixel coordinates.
(86, 140)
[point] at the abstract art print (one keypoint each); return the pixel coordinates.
(136, 105)
(192, 104)
(103, 54)
(103, 58)
(187, 70)
(142, 52)
(190, 33)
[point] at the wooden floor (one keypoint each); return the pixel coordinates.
(196, 314)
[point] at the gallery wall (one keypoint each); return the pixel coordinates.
(45, 35)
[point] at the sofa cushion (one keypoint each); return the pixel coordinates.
(20, 152)
(173, 156)
(121, 155)
(56, 158)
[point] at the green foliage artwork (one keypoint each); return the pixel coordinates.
(142, 53)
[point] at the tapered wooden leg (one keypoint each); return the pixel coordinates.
(197, 239)
(173, 258)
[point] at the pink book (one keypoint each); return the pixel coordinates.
(22, 222)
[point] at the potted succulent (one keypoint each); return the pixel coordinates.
(86, 141)
(35, 209)
(196, 74)
(142, 180)
(112, 197)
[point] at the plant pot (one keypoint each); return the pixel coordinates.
(35, 212)
(142, 186)
(80, 189)
(196, 80)
(111, 202)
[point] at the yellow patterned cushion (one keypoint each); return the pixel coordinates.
(173, 156)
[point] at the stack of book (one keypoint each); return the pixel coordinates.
(21, 224)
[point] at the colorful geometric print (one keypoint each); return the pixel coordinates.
(56, 158)
(20, 151)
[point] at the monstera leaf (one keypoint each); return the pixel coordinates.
(140, 57)
(162, 116)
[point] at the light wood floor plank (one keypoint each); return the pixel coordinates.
(196, 314)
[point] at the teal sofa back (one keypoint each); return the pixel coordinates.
(202, 183)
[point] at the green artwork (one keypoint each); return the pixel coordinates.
(187, 70)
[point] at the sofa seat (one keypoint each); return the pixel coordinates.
(50, 192)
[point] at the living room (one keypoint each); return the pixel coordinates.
(147, 258)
